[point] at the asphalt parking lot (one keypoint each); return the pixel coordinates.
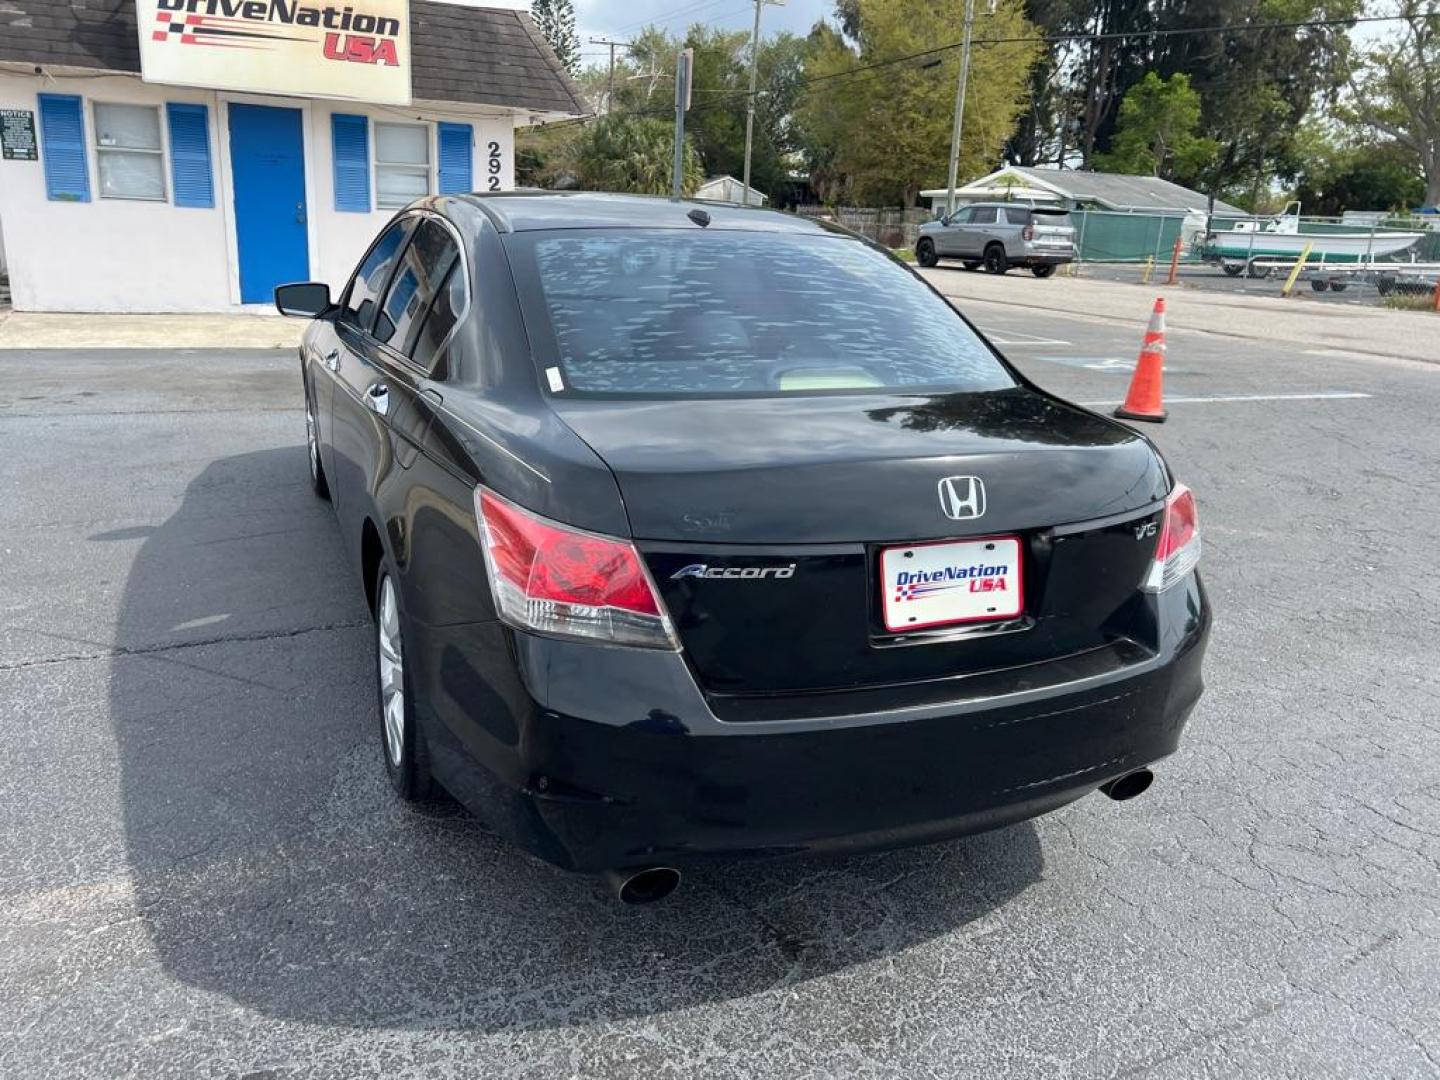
(203, 872)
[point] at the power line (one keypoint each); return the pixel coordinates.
(693, 8)
(862, 69)
(1179, 31)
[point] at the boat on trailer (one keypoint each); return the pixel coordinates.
(1256, 241)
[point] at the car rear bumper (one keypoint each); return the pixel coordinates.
(1045, 258)
(597, 758)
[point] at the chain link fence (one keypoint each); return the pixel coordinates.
(1110, 236)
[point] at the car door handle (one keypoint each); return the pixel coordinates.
(378, 398)
(332, 359)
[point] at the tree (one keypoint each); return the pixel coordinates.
(715, 124)
(556, 20)
(1156, 131)
(1383, 177)
(1396, 87)
(1256, 85)
(619, 152)
(545, 155)
(1343, 167)
(879, 136)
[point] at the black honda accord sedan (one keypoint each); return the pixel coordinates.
(693, 530)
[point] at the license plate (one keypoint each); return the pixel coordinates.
(952, 581)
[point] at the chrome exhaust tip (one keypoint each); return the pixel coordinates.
(644, 886)
(1129, 785)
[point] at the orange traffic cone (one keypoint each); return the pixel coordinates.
(1145, 401)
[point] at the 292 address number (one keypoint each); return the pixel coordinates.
(493, 166)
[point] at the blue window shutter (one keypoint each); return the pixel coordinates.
(350, 147)
(62, 144)
(190, 154)
(456, 144)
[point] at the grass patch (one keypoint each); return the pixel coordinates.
(1409, 302)
(903, 254)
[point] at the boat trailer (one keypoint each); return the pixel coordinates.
(1403, 278)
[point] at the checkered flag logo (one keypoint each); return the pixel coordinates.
(170, 25)
(217, 31)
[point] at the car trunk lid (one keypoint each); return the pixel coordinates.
(1051, 229)
(786, 505)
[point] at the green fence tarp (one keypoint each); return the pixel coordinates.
(1103, 236)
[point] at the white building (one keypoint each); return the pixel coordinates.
(728, 189)
(1078, 189)
(119, 193)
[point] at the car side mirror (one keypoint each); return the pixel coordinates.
(303, 299)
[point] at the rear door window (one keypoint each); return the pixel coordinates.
(1017, 215)
(423, 268)
(983, 215)
(444, 313)
(684, 313)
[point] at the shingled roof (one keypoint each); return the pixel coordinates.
(1109, 191)
(479, 56)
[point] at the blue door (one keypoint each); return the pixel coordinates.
(267, 161)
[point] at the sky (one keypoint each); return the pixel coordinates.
(622, 19)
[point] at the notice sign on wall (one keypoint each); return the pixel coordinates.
(356, 50)
(17, 135)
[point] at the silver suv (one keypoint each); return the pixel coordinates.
(999, 236)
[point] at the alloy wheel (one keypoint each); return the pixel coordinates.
(392, 671)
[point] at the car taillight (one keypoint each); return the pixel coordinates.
(1028, 232)
(554, 579)
(1178, 549)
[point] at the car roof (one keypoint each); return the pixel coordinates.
(522, 211)
(1042, 208)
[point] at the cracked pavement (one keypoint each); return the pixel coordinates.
(203, 872)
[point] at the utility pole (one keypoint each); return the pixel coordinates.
(610, 78)
(683, 62)
(960, 106)
(750, 101)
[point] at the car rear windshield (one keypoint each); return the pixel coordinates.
(667, 313)
(1042, 216)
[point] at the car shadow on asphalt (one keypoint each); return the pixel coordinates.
(273, 866)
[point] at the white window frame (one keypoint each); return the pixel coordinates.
(428, 168)
(164, 196)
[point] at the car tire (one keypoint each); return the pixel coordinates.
(995, 261)
(1319, 284)
(971, 265)
(1233, 269)
(925, 252)
(1044, 270)
(318, 483)
(1338, 286)
(402, 744)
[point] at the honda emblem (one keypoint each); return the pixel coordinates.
(962, 497)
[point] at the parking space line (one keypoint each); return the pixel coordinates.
(1325, 395)
(1018, 337)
